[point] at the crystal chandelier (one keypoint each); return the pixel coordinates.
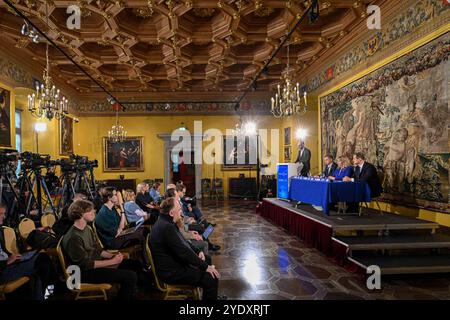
(47, 100)
(117, 132)
(287, 100)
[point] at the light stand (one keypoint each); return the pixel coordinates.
(39, 127)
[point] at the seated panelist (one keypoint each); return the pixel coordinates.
(344, 169)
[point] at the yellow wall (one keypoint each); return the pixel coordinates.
(308, 122)
(48, 141)
(89, 133)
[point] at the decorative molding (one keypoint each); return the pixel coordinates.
(405, 27)
(102, 107)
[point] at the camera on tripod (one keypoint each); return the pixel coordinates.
(8, 155)
(32, 160)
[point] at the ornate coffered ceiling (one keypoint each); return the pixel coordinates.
(178, 49)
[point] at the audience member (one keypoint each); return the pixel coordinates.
(97, 265)
(154, 192)
(177, 262)
(63, 224)
(145, 201)
(132, 210)
(39, 267)
(110, 224)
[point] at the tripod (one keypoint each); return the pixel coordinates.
(68, 190)
(9, 197)
(31, 180)
(82, 183)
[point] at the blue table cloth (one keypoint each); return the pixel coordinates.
(323, 192)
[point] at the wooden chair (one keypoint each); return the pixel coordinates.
(10, 240)
(92, 291)
(171, 292)
(25, 227)
(48, 220)
(11, 286)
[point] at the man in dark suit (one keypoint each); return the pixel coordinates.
(176, 261)
(330, 166)
(304, 158)
(367, 172)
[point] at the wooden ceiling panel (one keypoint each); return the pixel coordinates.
(179, 45)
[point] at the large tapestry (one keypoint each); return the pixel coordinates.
(398, 116)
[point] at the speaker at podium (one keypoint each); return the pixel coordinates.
(284, 173)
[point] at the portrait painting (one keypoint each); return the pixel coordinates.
(239, 153)
(287, 153)
(66, 136)
(287, 136)
(126, 155)
(398, 116)
(5, 118)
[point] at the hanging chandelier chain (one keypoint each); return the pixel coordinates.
(47, 100)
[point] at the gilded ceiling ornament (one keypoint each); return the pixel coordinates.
(30, 4)
(204, 12)
(103, 42)
(22, 42)
(263, 11)
(145, 12)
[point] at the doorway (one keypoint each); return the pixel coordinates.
(184, 172)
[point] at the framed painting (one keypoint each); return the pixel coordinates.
(126, 155)
(5, 118)
(287, 153)
(66, 136)
(239, 154)
(287, 136)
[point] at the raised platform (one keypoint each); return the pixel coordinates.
(370, 220)
(400, 244)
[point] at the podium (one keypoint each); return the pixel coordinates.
(284, 173)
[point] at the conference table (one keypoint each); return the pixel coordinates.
(323, 192)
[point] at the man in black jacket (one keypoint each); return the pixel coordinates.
(304, 158)
(177, 262)
(330, 166)
(367, 172)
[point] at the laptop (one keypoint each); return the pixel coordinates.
(209, 229)
(139, 223)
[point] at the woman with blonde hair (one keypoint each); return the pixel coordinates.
(344, 169)
(132, 210)
(145, 201)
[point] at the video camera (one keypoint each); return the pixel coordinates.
(8, 155)
(32, 160)
(78, 163)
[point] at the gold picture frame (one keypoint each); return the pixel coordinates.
(287, 153)
(127, 155)
(66, 136)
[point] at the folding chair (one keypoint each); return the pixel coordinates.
(98, 288)
(171, 292)
(11, 286)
